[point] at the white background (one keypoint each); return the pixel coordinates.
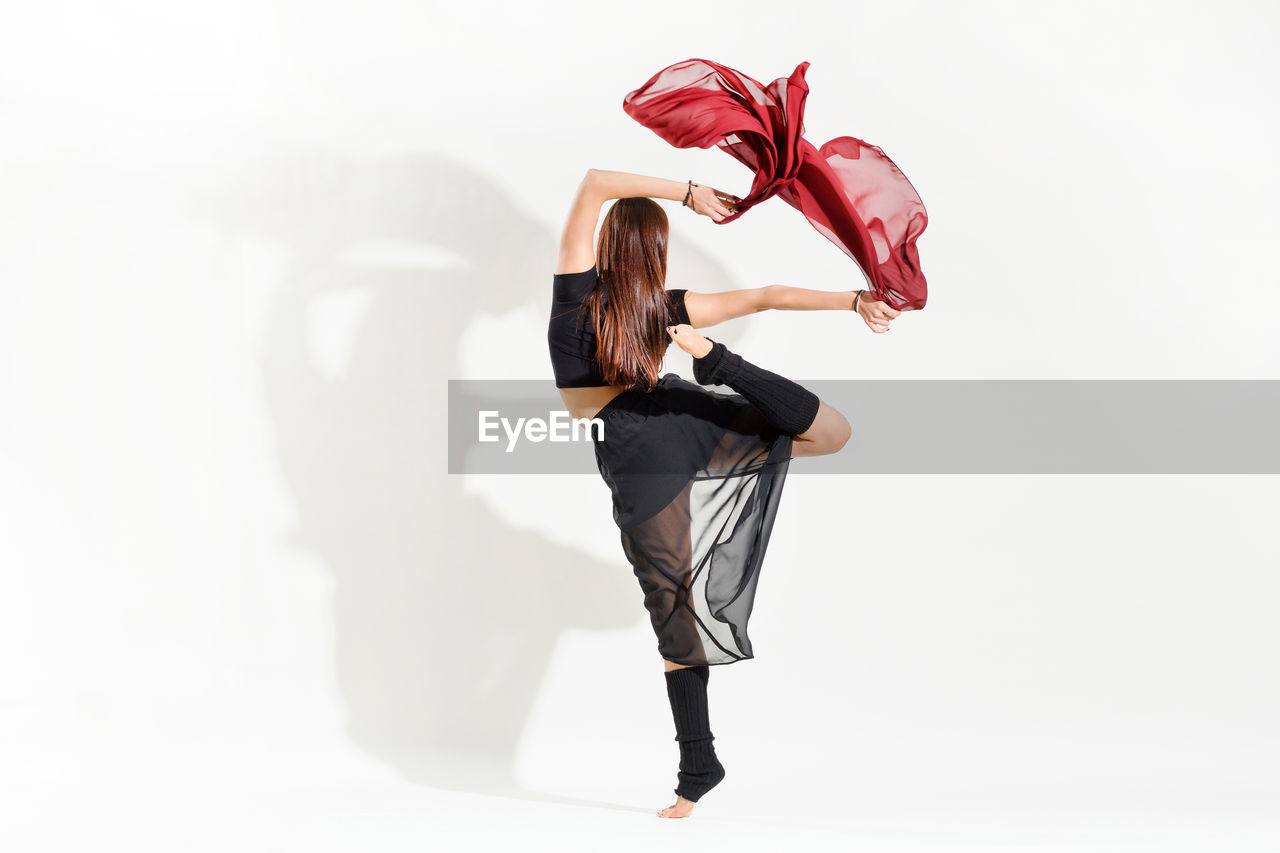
(243, 246)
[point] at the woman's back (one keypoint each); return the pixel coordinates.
(571, 340)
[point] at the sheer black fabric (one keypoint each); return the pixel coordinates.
(696, 478)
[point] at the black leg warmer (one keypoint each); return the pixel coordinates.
(700, 770)
(788, 406)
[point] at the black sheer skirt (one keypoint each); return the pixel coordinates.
(696, 478)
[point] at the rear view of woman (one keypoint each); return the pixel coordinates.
(696, 475)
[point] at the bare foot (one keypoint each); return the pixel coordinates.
(680, 808)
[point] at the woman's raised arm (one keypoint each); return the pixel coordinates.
(706, 200)
(577, 240)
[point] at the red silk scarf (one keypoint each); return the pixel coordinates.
(848, 189)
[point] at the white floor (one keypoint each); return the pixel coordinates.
(67, 786)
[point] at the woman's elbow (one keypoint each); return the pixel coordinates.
(767, 297)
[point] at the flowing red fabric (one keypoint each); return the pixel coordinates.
(848, 189)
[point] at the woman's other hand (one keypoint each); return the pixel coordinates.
(877, 314)
(689, 340)
(709, 201)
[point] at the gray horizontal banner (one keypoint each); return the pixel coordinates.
(1177, 426)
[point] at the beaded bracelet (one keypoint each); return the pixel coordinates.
(688, 196)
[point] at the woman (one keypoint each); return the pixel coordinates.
(696, 475)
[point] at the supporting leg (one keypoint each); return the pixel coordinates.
(700, 769)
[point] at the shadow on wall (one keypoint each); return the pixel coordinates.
(445, 617)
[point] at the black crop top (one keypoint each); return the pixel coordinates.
(570, 334)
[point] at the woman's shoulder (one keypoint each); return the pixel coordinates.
(676, 295)
(589, 272)
(568, 286)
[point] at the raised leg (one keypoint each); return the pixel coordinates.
(818, 429)
(829, 433)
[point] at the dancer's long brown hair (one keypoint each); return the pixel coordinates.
(631, 258)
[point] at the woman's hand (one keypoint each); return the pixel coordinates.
(689, 340)
(877, 314)
(709, 201)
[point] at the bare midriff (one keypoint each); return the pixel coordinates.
(586, 402)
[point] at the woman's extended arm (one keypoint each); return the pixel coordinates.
(708, 309)
(877, 314)
(786, 298)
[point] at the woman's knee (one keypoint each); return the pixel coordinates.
(829, 433)
(841, 430)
